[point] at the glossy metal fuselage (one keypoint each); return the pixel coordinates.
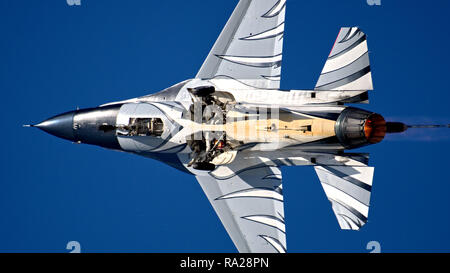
(275, 123)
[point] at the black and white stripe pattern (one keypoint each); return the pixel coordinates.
(249, 203)
(254, 193)
(277, 245)
(255, 61)
(276, 9)
(268, 220)
(348, 189)
(270, 33)
(347, 66)
(249, 49)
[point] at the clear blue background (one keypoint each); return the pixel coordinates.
(54, 58)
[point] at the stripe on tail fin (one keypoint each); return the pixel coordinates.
(347, 66)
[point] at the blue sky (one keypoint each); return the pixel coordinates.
(55, 57)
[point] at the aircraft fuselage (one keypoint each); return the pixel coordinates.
(212, 128)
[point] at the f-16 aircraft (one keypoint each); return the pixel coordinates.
(233, 128)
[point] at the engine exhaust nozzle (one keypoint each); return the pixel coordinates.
(357, 127)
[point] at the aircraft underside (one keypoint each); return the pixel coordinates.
(232, 127)
(212, 127)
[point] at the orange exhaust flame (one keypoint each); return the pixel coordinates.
(375, 128)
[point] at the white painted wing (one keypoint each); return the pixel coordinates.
(348, 189)
(249, 49)
(248, 199)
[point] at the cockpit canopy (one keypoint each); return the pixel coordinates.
(143, 127)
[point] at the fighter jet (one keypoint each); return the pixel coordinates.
(233, 128)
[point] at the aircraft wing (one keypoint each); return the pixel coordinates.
(348, 188)
(247, 196)
(249, 49)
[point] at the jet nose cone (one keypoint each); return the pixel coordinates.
(60, 126)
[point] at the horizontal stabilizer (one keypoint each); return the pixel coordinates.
(348, 189)
(347, 66)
